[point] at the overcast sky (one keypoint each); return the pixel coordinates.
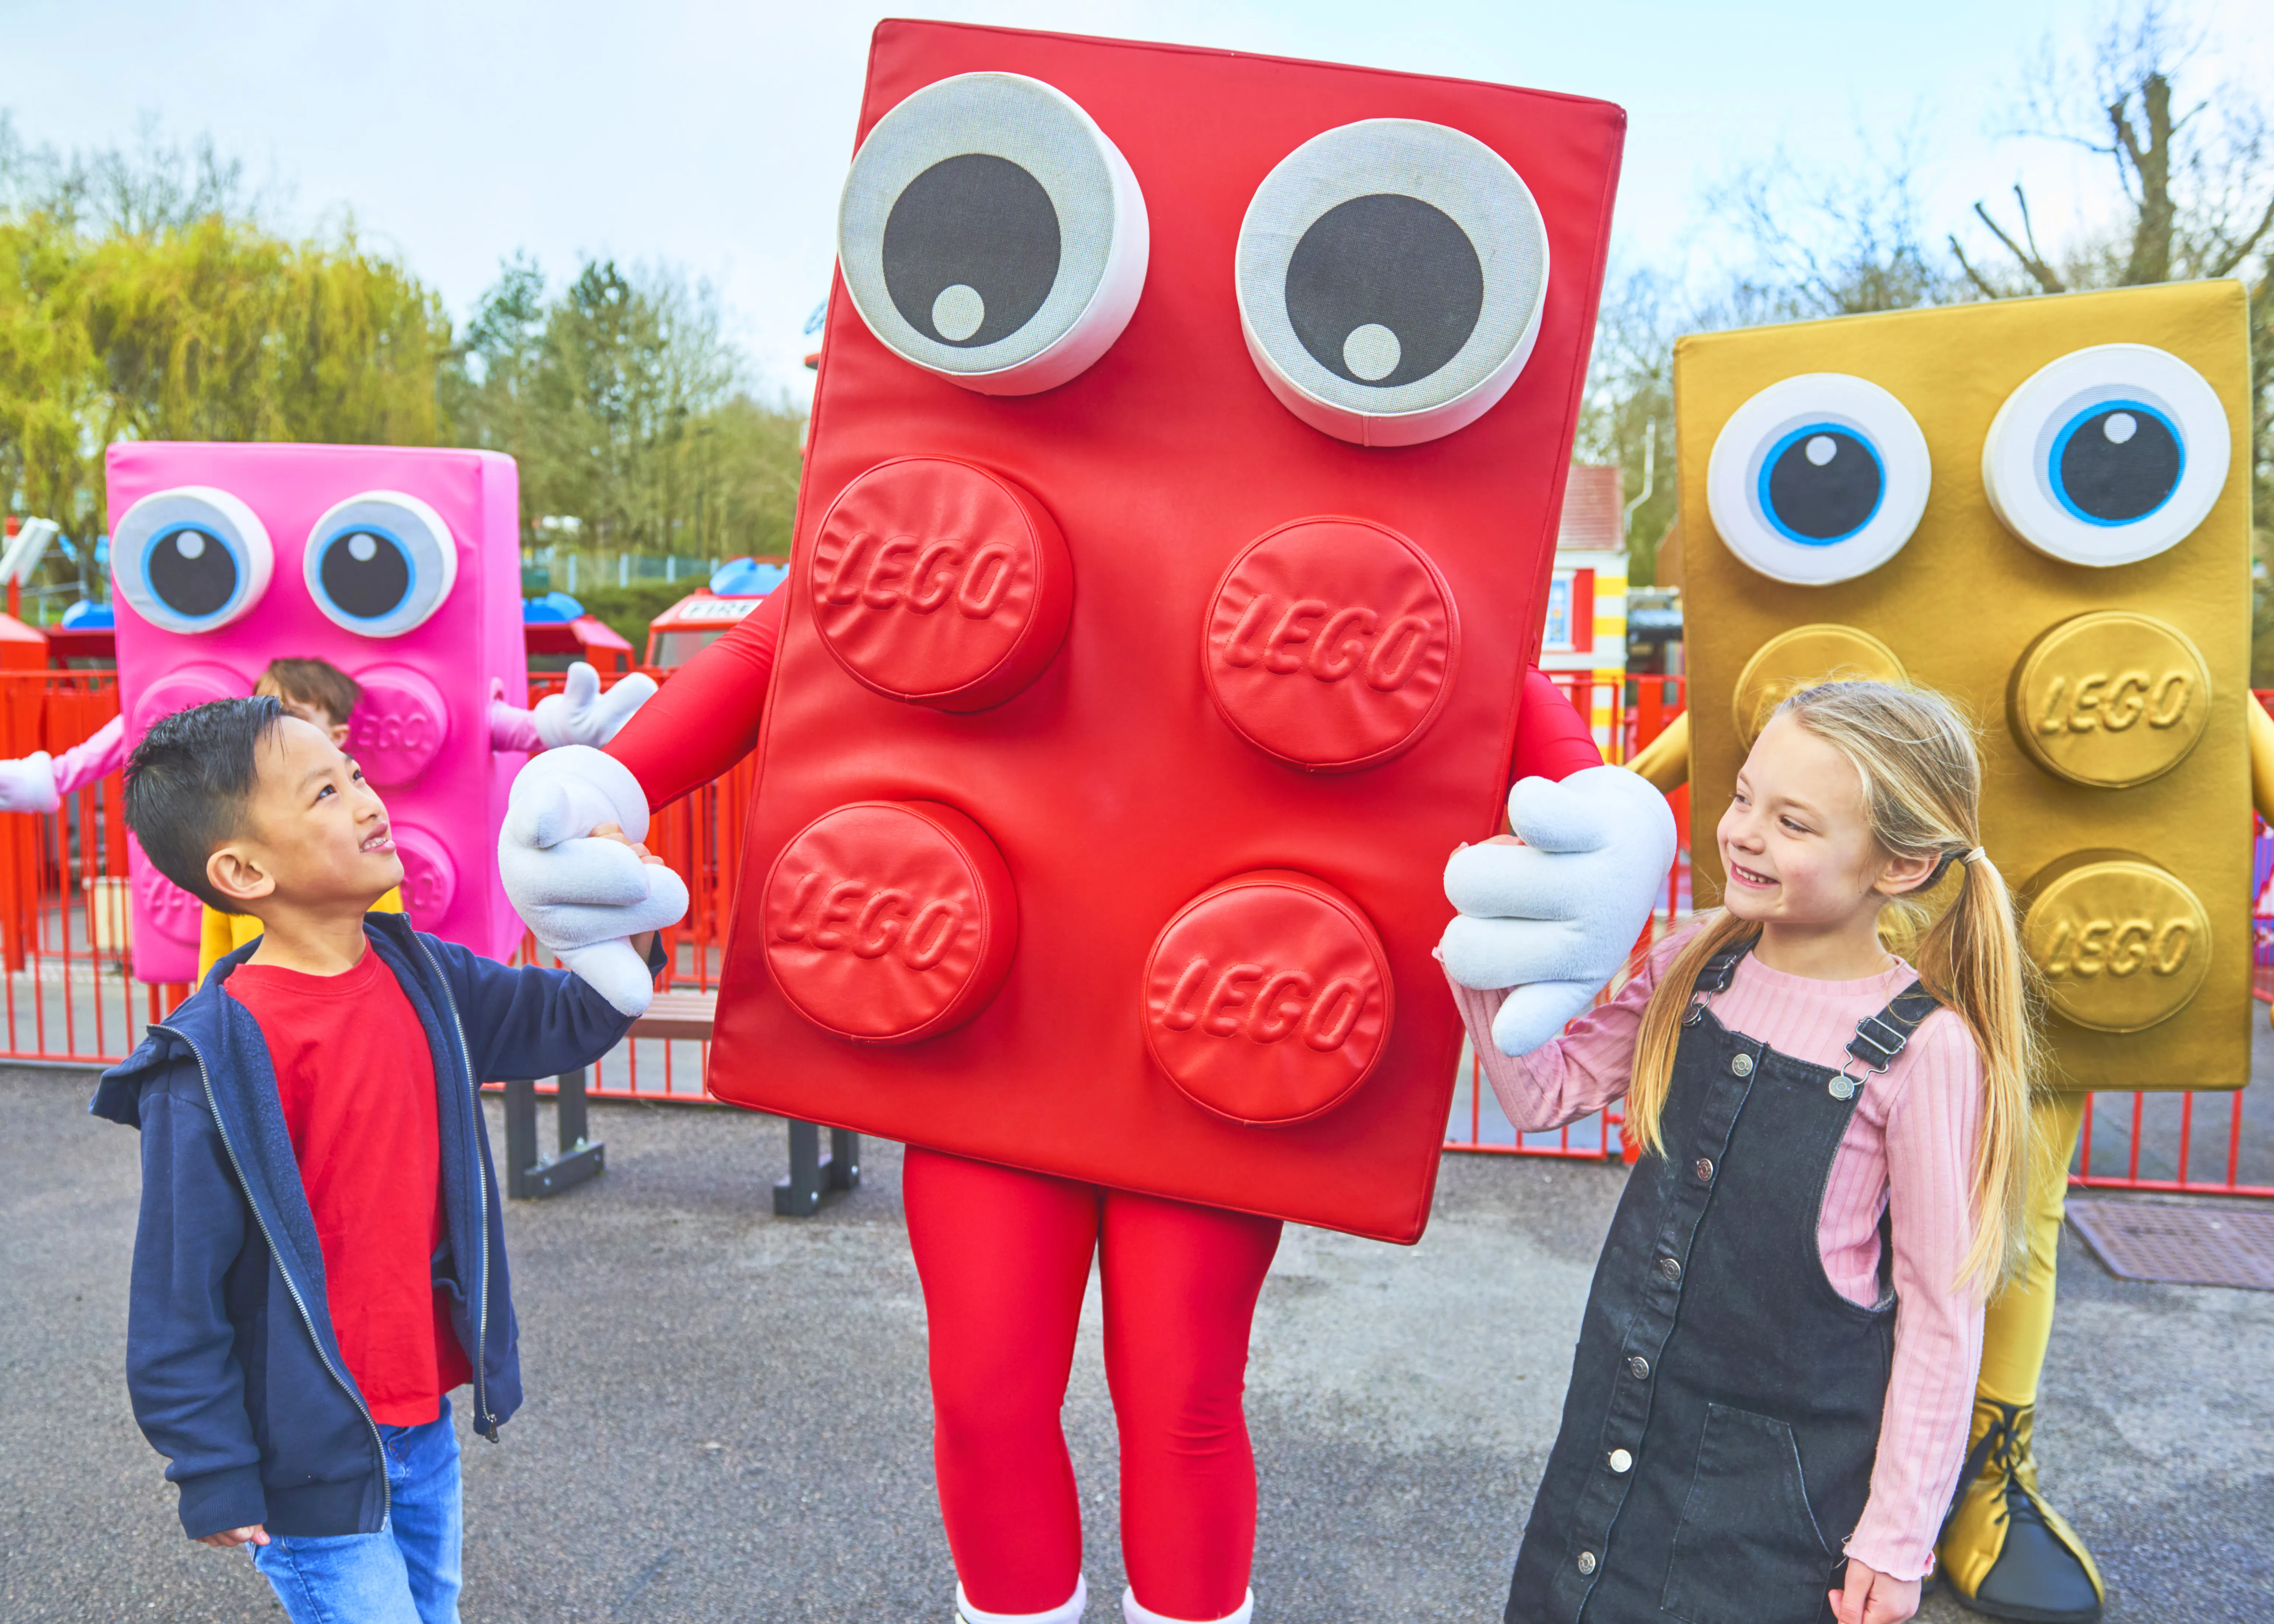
(713, 136)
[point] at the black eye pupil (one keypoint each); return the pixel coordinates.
(192, 572)
(971, 250)
(365, 574)
(1824, 487)
(2119, 465)
(1384, 289)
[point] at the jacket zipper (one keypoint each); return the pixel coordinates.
(387, 1495)
(483, 1422)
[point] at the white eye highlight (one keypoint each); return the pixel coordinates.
(379, 564)
(1817, 478)
(991, 233)
(193, 559)
(2109, 455)
(1392, 275)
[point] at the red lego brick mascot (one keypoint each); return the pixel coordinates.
(1181, 494)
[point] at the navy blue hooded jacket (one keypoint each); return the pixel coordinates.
(235, 1373)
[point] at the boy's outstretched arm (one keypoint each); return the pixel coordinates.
(528, 1021)
(182, 1370)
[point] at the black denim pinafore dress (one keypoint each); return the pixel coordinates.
(1725, 1402)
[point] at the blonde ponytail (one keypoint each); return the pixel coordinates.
(1921, 780)
(1971, 958)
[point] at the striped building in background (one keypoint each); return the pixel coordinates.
(1586, 631)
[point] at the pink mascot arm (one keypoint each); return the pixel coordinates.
(102, 754)
(39, 782)
(1551, 739)
(512, 729)
(706, 717)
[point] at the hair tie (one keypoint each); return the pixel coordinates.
(1974, 856)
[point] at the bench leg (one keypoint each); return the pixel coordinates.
(520, 1135)
(530, 1179)
(815, 1178)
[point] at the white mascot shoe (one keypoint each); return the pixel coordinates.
(1556, 917)
(583, 898)
(1132, 1612)
(1070, 1614)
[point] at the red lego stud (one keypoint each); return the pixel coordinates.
(941, 583)
(1267, 998)
(1332, 643)
(889, 922)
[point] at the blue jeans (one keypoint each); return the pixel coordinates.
(408, 1572)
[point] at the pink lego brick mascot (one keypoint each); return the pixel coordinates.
(401, 567)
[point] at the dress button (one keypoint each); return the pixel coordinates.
(1670, 1268)
(1741, 1064)
(1639, 1368)
(1621, 1462)
(1704, 1168)
(1586, 1561)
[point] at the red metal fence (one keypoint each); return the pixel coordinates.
(69, 997)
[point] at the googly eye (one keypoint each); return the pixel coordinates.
(193, 559)
(1392, 275)
(1817, 478)
(2109, 455)
(991, 233)
(379, 564)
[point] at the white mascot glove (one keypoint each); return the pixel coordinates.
(1556, 917)
(583, 898)
(581, 714)
(29, 785)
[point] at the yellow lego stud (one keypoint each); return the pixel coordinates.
(2111, 700)
(1799, 657)
(2122, 943)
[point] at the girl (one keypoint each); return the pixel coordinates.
(1777, 1361)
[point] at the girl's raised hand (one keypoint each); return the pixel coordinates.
(1871, 1597)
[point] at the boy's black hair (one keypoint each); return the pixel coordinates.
(187, 783)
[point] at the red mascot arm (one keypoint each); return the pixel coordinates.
(705, 719)
(1551, 739)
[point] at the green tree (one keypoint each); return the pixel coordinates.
(626, 409)
(141, 299)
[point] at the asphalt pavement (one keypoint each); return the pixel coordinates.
(727, 1416)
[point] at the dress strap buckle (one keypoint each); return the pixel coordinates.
(1880, 1038)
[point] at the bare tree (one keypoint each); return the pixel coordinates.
(2195, 167)
(1826, 242)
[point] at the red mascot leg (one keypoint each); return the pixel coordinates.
(1005, 1259)
(1180, 1287)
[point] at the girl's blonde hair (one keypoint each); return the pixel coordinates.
(1921, 780)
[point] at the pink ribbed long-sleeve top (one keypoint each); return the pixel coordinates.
(1909, 1151)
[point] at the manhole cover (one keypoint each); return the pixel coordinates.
(2185, 1244)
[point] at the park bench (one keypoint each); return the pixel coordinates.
(686, 1016)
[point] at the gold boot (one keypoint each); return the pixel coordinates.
(2003, 1552)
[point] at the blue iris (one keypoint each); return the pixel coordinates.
(1821, 484)
(2115, 462)
(366, 571)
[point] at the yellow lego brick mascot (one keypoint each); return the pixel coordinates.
(2039, 507)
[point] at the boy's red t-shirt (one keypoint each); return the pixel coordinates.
(357, 1081)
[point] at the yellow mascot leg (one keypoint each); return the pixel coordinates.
(2004, 1551)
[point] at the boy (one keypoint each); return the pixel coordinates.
(323, 695)
(320, 1261)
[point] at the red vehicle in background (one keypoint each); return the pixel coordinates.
(709, 613)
